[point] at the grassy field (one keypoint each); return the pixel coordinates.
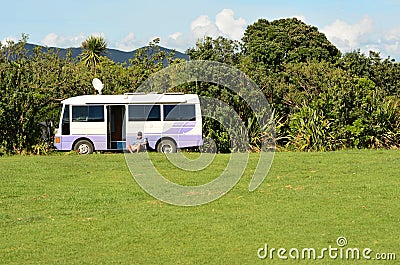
(69, 209)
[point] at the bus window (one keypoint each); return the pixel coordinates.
(87, 113)
(65, 121)
(144, 113)
(179, 113)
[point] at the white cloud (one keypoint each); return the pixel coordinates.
(128, 43)
(9, 38)
(55, 40)
(175, 35)
(178, 41)
(203, 26)
(392, 50)
(229, 26)
(365, 36)
(391, 42)
(225, 25)
(393, 34)
(349, 37)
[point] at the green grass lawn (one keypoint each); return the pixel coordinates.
(69, 209)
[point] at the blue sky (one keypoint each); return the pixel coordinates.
(127, 25)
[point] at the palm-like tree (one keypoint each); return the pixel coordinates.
(92, 50)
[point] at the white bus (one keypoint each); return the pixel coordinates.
(110, 122)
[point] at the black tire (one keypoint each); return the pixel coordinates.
(84, 147)
(166, 146)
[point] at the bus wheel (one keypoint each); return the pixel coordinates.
(166, 146)
(84, 147)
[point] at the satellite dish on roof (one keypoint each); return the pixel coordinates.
(98, 85)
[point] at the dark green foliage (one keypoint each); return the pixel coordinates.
(221, 50)
(320, 99)
(327, 108)
(285, 41)
(31, 88)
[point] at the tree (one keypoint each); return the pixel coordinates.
(222, 50)
(270, 48)
(286, 40)
(92, 50)
(31, 86)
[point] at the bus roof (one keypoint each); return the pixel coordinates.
(134, 98)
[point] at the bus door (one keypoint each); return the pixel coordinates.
(116, 127)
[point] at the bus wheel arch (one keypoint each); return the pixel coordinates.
(83, 146)
(166, 145)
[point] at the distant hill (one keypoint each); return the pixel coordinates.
(114, 55)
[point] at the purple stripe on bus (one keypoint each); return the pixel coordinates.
(180, 127)
(189, 140)
(178, 130)
(184, 123)
(181, 140)
(67, 141)
(100, 141)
